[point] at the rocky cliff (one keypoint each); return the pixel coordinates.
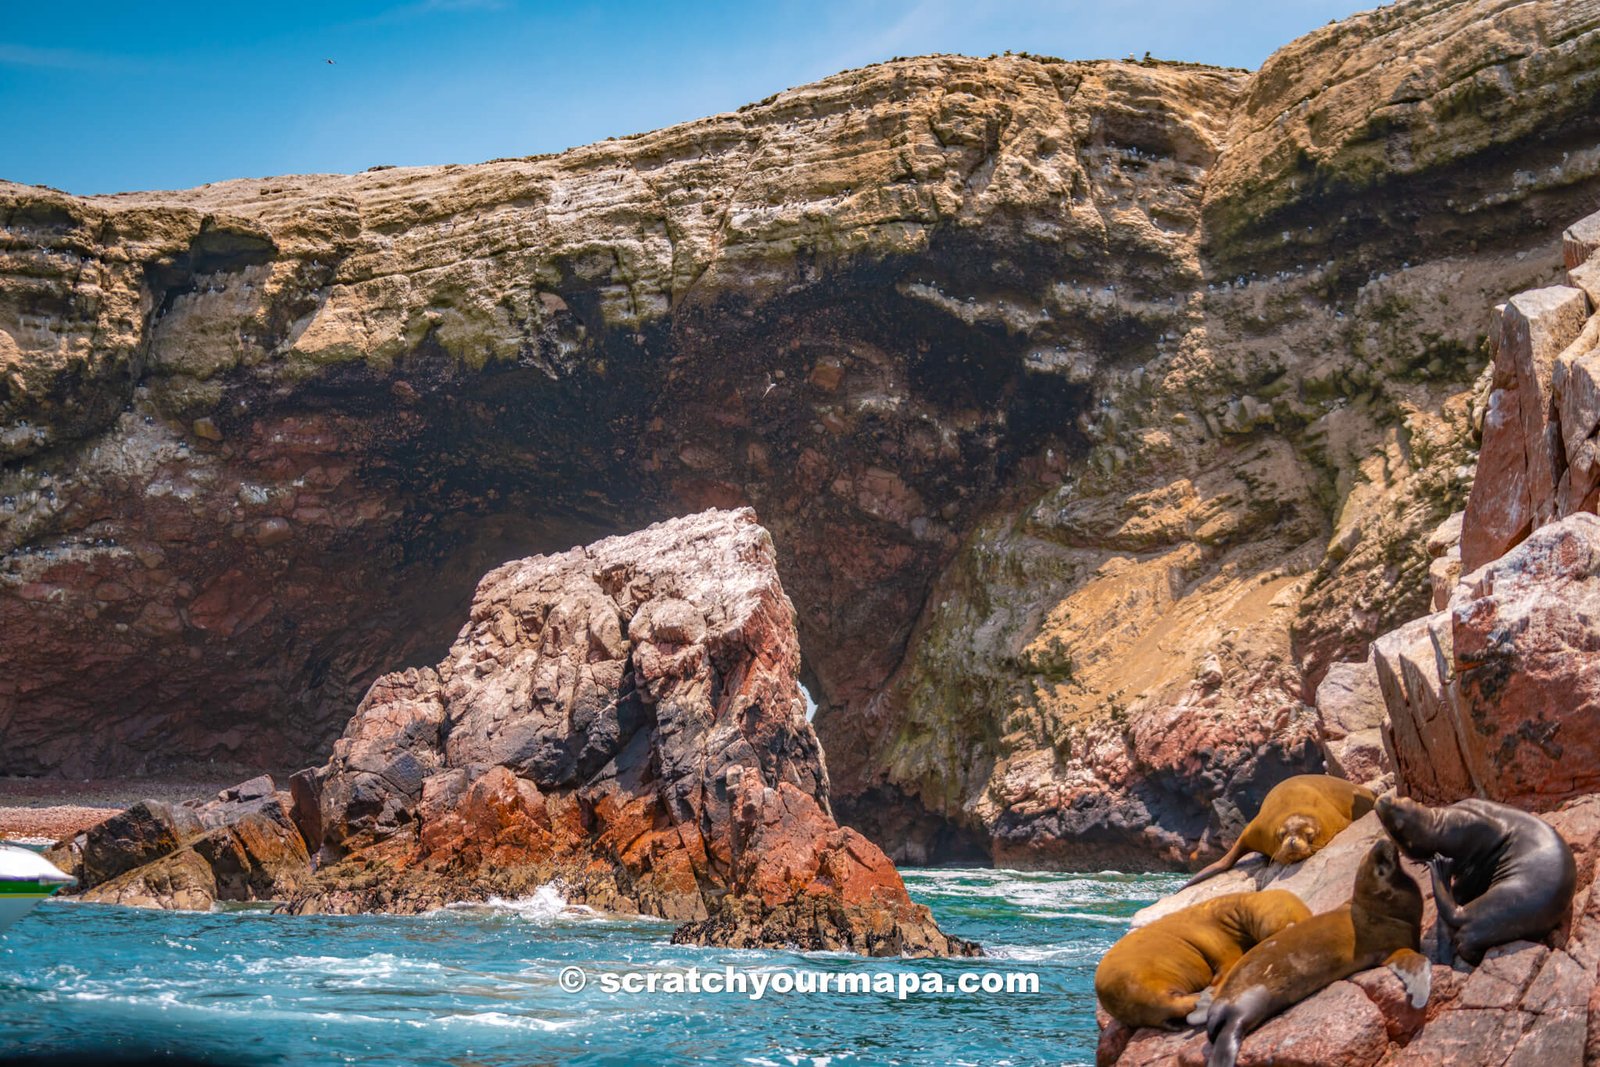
(1094, 408)
(1493, 696)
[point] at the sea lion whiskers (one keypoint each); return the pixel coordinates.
(1296, 839)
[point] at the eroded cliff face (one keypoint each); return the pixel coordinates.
(262, 436)
(1093, 408)
(1109, 674)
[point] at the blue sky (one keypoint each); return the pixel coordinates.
(99, 97)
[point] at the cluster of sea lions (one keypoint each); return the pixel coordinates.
(1231, 963)
(1155, 975)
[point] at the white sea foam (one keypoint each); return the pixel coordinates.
(545, 906)
(516, 1022)
(1042, 894)
(375, 965)
(1084, 916)
(1041, 953)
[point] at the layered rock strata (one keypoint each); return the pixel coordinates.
(1090, 405)
(624, 720)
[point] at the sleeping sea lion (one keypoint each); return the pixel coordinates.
(1499, 874)
(1153, 976)
(1298, 817)
(1382, 924)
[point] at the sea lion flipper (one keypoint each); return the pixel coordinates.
(1230, 1020)
(1202, 1006)
(1414, 972)
(1225, 1044)
(1450, 912)
(1223, 863)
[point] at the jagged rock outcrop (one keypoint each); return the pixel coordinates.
(239, 846)
(1001, 349)
(1491, 695)
(624, 719)
(1351, 714)
(1495, 696)
(1523, 463)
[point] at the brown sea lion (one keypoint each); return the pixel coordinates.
(1382, 924)
(1154, 975)
(1499, 874)
(1298, 817)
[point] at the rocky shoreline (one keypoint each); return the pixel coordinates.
(47, 810)
(47, 824)
(624, 720)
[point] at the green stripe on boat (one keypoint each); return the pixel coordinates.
(26, 889)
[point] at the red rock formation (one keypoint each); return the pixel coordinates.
(1521, 463)
(624, 719)
(1526, 667)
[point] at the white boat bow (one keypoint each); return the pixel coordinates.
(26, 878)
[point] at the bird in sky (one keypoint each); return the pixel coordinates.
(330, 62)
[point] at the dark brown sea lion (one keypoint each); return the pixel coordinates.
(1499, 874)
(1154, 975)
(1298, 817)
(1382, 924)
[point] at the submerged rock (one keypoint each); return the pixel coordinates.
(624, 719)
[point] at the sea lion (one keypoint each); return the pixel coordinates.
(1499, 874)
(1154, 975)
(1382, 924)
(1298, 817)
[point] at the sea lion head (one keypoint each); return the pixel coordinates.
(1296, 839)
(1408, 823)
(1383, 887)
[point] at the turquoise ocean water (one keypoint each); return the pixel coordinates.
(471, 986)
